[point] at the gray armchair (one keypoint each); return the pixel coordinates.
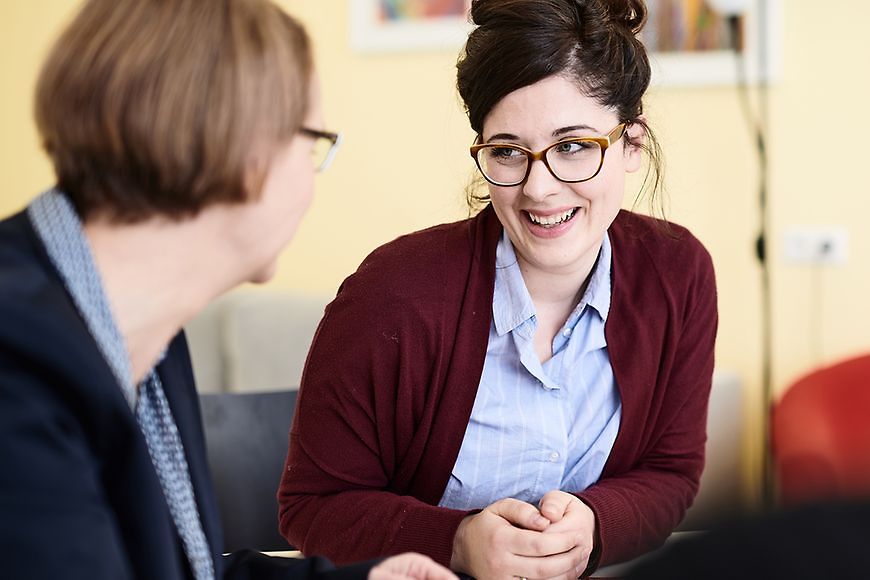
(246, 436)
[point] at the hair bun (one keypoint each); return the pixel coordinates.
(628, 13)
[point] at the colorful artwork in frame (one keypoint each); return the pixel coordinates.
(687, 25)
(407, 25)
(398, 10)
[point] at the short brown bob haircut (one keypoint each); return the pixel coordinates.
(158, 107)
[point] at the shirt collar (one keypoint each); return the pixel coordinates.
(512, 305)
(598, 290)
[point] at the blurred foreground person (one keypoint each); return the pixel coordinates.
(182, 134)
(810, 542)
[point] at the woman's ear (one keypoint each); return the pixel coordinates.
(635, 137)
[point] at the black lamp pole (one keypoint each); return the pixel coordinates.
(758, 128)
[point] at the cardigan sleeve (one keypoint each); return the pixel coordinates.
(366, 464)
(354, 444)
(638, 505)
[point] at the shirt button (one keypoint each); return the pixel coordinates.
(554, 456)
(566, 333)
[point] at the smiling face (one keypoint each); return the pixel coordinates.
(558, 227)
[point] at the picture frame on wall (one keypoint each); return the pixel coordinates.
(688, 40)
(690, 43)
(378, 26)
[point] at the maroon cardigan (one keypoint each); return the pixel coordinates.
(393, 371)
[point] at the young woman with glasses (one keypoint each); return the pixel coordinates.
(185, 135)
(523, 393)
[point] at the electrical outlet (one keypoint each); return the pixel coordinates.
(816, 245)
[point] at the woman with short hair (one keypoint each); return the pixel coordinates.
(182, 134)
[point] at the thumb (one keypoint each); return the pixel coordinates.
(520, 514)
(555, 504)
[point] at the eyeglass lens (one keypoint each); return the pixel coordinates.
(568, 161)
(320, 152)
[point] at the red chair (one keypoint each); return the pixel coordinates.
(821, 434)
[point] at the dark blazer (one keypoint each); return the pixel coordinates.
(79, 497)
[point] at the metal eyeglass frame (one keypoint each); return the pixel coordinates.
(334, 139)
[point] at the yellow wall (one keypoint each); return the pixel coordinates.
(397, 109)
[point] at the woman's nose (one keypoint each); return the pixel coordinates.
(540, 183)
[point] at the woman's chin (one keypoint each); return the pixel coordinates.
(265, 273)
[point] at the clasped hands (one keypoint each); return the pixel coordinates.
(514, 539)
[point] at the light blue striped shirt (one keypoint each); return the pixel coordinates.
(538, 427)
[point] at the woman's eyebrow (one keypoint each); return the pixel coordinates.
(557, 133)
(563, 130)
(503, 137)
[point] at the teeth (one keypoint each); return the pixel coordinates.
(552, 220)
